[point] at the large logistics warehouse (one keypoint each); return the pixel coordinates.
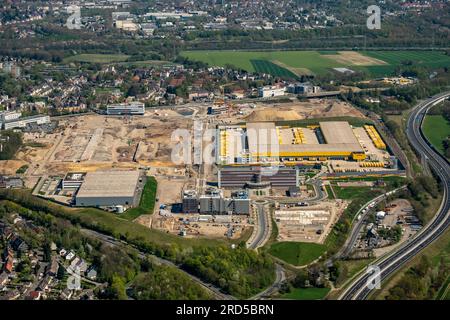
(109, 188)
(264, 142)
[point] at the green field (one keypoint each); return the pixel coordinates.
(147, 203)
(304, 62)
(264, 66)
(310, 60)
(431, 59)
(297, 253)
(306, 294)
(437, 129)
(97, 58)
(350, 193)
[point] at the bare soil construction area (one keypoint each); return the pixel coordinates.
(91, 142)
(314, 108)
(308, 224)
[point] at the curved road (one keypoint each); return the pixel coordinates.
(262, 229)
(359, 289)
(356, 230)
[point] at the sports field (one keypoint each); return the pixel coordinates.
(376, 63)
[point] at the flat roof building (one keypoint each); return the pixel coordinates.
(73, 180)
(133, 108)
(23, 122)
(267, 143)
(108, 188)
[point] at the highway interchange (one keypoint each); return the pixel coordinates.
(359, 289)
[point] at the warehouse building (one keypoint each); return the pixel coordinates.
(264, 142)
(131, 109)
(109, 188)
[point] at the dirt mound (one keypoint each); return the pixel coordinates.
(282, 114)
(334, 109)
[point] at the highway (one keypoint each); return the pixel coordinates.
(388, 264)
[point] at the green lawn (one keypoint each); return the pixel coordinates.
(437, 129)
(297, 253)
(147, 203)
(349, 193)
(97, 58)
(306, 294)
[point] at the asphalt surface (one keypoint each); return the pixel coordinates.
(262, 231)
(280, 277)
(359, 290)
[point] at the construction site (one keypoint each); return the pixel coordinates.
(308, 224)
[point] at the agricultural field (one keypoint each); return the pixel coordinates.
(376, 63)
(437, 129)
(97, 58)
(264, 66)
(431, 59)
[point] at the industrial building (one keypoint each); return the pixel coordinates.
(9, 116)
(257, 177)
(132, 109)
(303, 88)
(190, 201)
(271, 91)
(214, 202)
(266, 143)
(109, 188)
(23, 122)
(73, 180)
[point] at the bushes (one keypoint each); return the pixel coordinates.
(420, 282)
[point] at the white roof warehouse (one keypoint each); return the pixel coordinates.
(108, 188)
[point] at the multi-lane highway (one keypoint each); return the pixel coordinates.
(390, 263)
